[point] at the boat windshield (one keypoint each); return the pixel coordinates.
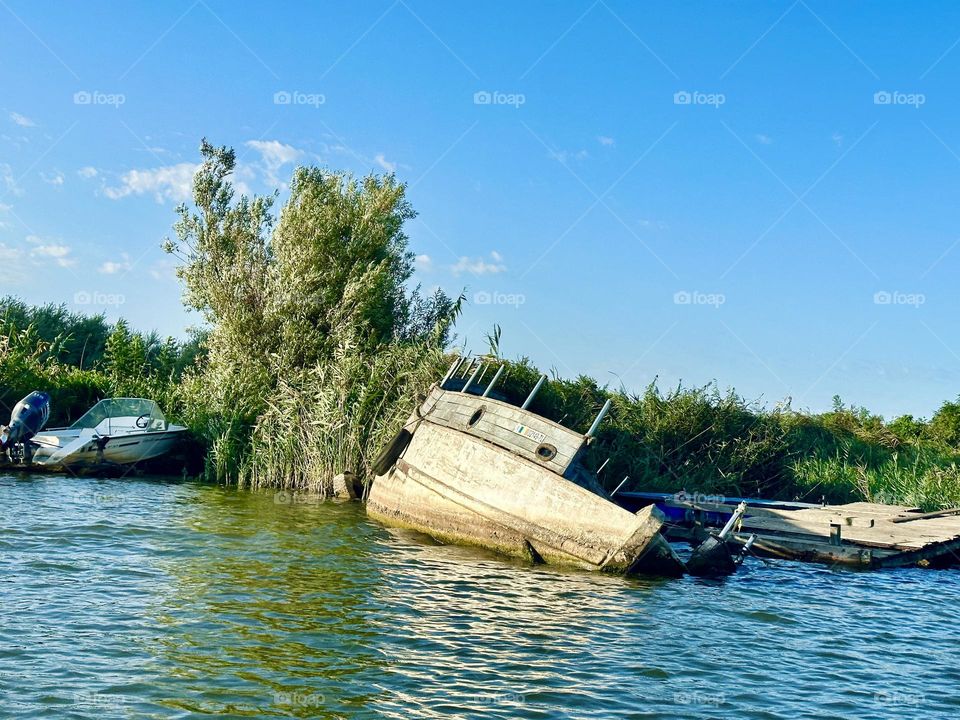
(123, 415)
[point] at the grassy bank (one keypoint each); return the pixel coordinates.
(337, 413)
(708, 441)
(316, 348)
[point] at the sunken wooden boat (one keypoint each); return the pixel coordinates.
(470, 469)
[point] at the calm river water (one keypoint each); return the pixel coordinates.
(152, 599)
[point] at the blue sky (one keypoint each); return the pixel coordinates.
(760, 193)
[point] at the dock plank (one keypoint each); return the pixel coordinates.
(860, 533)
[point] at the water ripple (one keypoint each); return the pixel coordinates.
(153, 599)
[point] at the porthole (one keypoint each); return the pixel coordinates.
(546, 452)
(475, 418)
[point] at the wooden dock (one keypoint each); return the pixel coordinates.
(866, 535)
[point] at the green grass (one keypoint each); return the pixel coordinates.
(336, 414)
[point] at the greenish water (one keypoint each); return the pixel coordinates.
(151, 599)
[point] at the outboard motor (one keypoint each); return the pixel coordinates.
(714, 557)
(28, 418)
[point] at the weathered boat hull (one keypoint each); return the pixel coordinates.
(461, 488)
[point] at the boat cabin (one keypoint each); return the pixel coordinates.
(120, 416)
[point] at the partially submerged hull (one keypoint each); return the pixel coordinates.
(481, 472)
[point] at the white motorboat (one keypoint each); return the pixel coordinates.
(119, 431)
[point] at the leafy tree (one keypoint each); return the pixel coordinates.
(290, 304)
(73, 338)
(944, 426)
(906, 428)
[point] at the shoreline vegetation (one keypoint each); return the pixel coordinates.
(314, 349)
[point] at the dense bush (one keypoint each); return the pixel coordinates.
(316, 347)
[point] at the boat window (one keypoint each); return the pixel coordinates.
(546, 451)
(129, 414)
(475, 418)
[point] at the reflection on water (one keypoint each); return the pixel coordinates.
(143, 598)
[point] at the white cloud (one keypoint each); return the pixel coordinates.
(12, 262)
(241, 174)
(273, 156)
(275, 152)
(56, 252)
(480, 266)
(424, 263)
(54, 178)
(87, 172)
(763, 139)
(7, 181)
(112, 267)
(22, 120)
(170, 182)
(606, 141)
(657, 224)
(563, 156)
(382, 161)
(163, 270)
